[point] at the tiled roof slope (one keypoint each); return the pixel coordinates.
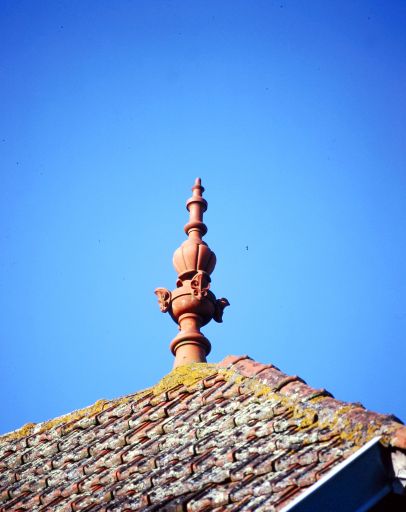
(237, 436)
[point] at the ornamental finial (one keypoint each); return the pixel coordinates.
(192, 304)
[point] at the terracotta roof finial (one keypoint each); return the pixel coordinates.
(192, 304)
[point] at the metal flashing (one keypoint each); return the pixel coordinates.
(360, 481)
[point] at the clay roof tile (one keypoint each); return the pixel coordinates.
(237, 435)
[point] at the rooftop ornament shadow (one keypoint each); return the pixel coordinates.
(192, 304)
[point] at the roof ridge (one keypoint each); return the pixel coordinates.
(321, 401)
(308, 404)
(68, 418)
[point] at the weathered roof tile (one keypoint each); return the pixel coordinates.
(236, 436)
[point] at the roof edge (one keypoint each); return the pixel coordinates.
(393, 431)
(85, 414)
(375, 483)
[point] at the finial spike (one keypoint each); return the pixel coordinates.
(196, 205)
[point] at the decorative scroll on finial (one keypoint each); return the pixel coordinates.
(192, 304)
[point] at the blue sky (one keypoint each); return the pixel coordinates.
(294, 115)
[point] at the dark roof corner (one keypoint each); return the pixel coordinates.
(399, 470)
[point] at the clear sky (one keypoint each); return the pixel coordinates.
(294, 115)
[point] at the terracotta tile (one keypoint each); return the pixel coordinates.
(307, 476)
(166, 492)
(242, 469)
(50, 495)
(136, 486)
(12, 504)
(257, 503)
(202, 446)
(209, 499)
(218, 445)
(27, 503)
(242, 489)
(398, 439)
(285, 497)
(172, 472)
(181, 452)
(83, 503)
(229, 361)
(13, 461)
(326, 466)
(202, 462)
(70, 488)
(269, 374)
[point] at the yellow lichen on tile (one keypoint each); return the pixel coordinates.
(307, 414)
(25, 430)
(186, 375)
(69, 419)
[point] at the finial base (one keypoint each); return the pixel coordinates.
(190, 345)
(189, 354)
